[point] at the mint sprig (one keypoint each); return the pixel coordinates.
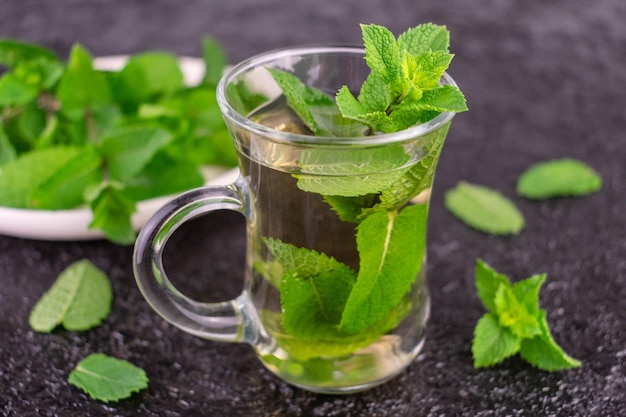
(514, 323)
(403, 88)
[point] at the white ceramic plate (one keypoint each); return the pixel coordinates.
(74, 224)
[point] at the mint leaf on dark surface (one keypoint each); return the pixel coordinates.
(493, 343)
(558, 178)
(107, 379)
(484, 209)
(79, 299)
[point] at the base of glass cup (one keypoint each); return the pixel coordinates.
(390, 355)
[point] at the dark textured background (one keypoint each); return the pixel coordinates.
(543, 80)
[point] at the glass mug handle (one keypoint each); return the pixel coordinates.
(227, 321)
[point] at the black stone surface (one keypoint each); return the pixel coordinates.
(543, 80)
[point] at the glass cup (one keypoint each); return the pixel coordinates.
(335, 296)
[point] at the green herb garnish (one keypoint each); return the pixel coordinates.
(558, 178)
(74, 135)
(484, 209)
(514, 323)
(107, 379)
(79, 299)
(403, 88)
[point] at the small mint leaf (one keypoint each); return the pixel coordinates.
(513, 315)
(527, 292)
(382, 54)
(375, 95)
(348, 104)
(558, 178)
(107, 379)
(128, 150)
(492, 343)
(350, 209)
(214, 61)
(484, 209)
(13, 52)
(306, 262)
(79, 299)
(427, 68)
(425, 37)
(488, 280)
(82, 87)
(445, 98)
(300, 97)
(147, 77)
(20, 178)
(111, 212)
(7, 150)
(357, 172)
(14, 92)
(543, 352)
(312, 304)
(65, 188)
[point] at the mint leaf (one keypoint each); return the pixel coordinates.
(493, 343)
(14, 91)
(128, 150)
(527, 292)
(13, 52)
(79, 299)
(82, 87)
(7, 150)
(543, 352)
(488, 281)
(382, 54)
(312, 305)
(513, 314)
(444, 98)
(41, 72)
(214, 61)
(391, 248)
(424, 38)
(375, 94)
(163, 175)
(558, 178)
(111, 212)
(146, 77)
(484, 209)
(305, 262)
(313, 290)
(20, 178)
(107, 379)
(301, 98)
(329, 172)
(65, 188)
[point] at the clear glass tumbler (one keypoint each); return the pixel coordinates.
(335, 297)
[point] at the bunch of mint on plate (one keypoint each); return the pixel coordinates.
(73, 135)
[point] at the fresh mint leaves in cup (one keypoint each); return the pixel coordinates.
(338, 147)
